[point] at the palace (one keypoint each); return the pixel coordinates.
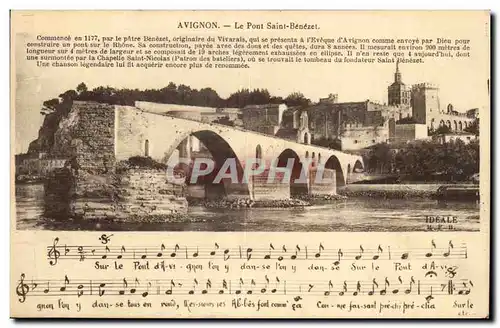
(412, 112)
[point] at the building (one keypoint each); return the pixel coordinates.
(447, 137)
(473, 113)
(295, 126)
(409, 132)
(398, 93)
(263, 118)
(228, 114)
(427, 109)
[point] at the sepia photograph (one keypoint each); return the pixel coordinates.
(177, 158)
(250, 164)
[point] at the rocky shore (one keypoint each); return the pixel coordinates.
(391, 191)
(247, 203)
(322, 198)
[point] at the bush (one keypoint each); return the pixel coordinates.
(145, 162)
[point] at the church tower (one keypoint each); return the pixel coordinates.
(397, 93)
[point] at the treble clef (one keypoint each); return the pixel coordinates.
(22, 289)
(54, 253)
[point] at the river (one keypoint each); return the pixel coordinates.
(353, 214)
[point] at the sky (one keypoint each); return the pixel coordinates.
(462, 81)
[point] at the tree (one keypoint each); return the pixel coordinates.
(49, 106)
(473, 127)
(443, 129)
(297, 99)
(328, 143)
(81, 88)
(380, 158)
(406, 120)
(224, 121)
(69, 95)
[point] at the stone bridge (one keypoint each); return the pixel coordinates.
(139, 132)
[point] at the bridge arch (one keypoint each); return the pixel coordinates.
(358, 167)
(221, 151)
(333, 163)
(297, 186)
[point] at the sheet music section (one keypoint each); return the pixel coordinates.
(57, 252)
(266, 285)
(375, 278)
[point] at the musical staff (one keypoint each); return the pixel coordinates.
(57, 253)
(248, 286)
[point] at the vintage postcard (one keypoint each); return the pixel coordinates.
(250, 164)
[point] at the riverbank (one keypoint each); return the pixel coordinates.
(247, 203)
(396, 191)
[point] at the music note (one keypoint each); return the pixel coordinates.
(79, 290)
(195, 283)
(249, 254)
(386, 284)
(429, 254)
(268, 256)
(339, 256)
(224, 286)
(374, 283)
(226, 254)
(276, 286)
(379, 251)
(360, 255)
(320, 249)
(216, 248)
(280, 258)
(170, 290)
(208, 286)
(101, 289)
(241, 283)
(124, 286)
(146, 293)
(404, 256)
(54, 254)
(122, 250)
(195, 254)
(263, 290)
(358, 289)
(297, 250)
(252, 283)
(66, 282)
(133, 290)
(344, 289)
(160, 253)
(22, 289)
(330, 286)
(174, 253)
(396, 290)
(412, 282)
(429, 297)
(105, 256)
(466, 289)
(81, 253)
(450, 246)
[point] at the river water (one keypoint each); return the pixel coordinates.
(354, 214)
